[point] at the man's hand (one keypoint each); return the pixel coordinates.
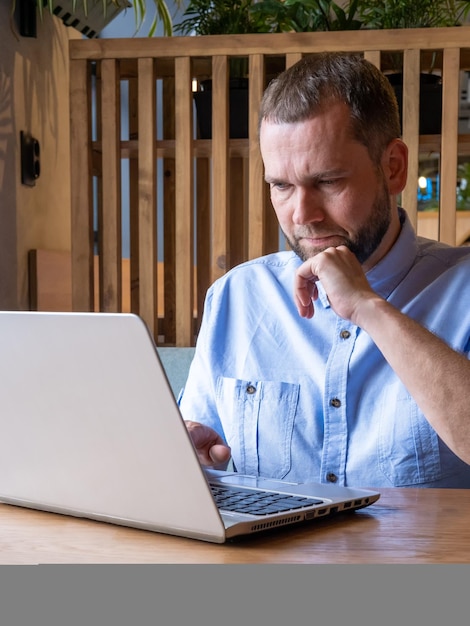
(342, 278)
(211, 449)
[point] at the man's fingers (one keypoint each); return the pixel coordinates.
(219, 453)
(305, 289)
(209, 446)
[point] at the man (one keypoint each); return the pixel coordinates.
(345, 360)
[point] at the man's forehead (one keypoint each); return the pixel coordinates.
(337, 113)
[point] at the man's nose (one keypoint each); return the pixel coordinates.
(308, 207)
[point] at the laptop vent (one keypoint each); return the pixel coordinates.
(278, 522)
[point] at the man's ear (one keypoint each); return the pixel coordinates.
(395, 166)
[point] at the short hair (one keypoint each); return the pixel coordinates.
(319, 80)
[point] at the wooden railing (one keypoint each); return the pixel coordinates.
(201, 206)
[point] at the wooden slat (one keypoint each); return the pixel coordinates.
(269, 44)
(81, 185)
(133, 121)
(256, 207)
(220, 170)
(50, 280)
(292, 58)
(238, 211)
(373, 56)
(448, 177)
(202, 148)
(168, 209)
(203, 226)
(147, 195)
(110, 218)
(271, 225)
(184, 203)
(410, 107)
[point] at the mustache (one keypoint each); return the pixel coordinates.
(318, 233)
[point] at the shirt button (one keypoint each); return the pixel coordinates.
(251, 389)
(331, 478)
(345, 334)
(335, 402)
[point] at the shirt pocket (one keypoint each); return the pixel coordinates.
(408, 447)
(258, 419)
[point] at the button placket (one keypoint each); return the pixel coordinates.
(336, 428)
(249, 427)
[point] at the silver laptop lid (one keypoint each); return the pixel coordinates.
(89, 425)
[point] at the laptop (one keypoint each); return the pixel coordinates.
(90, 427)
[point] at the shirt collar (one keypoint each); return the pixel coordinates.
(387, 274)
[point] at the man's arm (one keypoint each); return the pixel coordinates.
(436, 376)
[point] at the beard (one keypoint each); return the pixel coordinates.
(367, 238)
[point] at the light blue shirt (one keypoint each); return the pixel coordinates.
(315, 400)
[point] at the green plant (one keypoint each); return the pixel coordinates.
(463, 187)
(162, 12)
(215, 17)
(218, 17)
(383, 14)
(306, 15)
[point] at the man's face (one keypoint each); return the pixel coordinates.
(325, 189)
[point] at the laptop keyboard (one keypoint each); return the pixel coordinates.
(239, 500)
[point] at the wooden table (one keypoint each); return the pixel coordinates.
(404, 526)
